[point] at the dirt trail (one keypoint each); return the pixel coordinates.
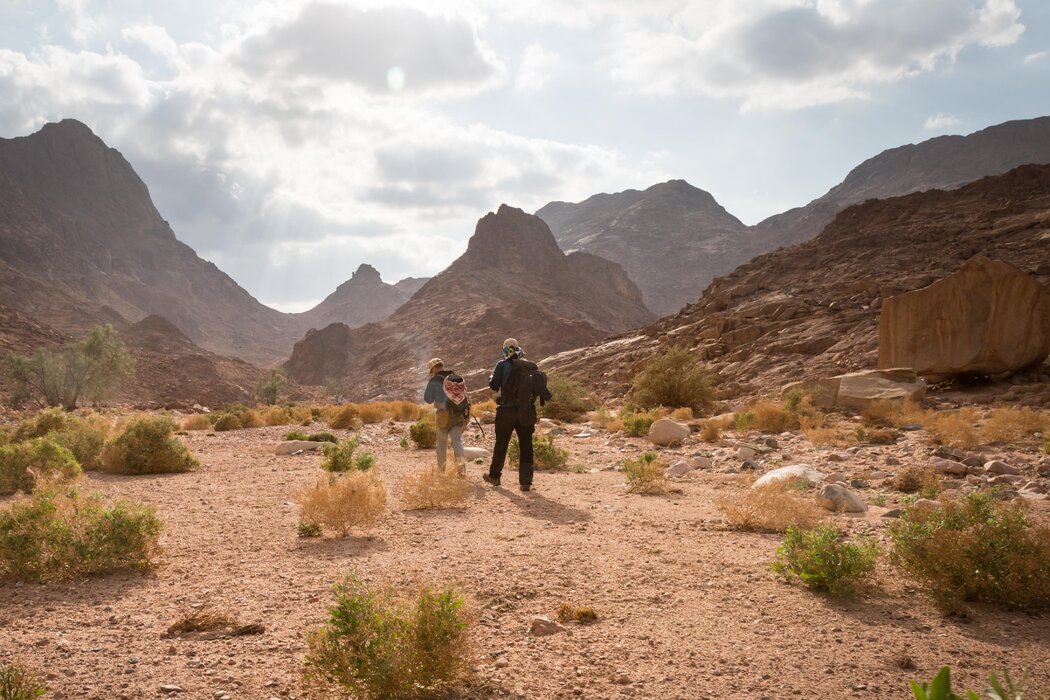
(688, 609)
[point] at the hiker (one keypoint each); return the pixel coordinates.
(447, 392)
(519, 383)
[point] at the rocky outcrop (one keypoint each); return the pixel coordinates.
(987, 318)
(858, 390)
(364, 298)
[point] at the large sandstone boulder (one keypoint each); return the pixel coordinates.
(839, 499)
(668, 432)
(792, 471)
(857, 390)
(988, 318)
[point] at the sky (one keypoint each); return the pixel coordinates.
(290, 141)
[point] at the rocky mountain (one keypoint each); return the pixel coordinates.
(672, 238)
(513, 280)
(812, 309)
(364, 298)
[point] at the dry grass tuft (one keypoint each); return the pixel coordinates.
(488, 406)
(772, 417)
(431, 489)
(819, 435)
(355, 499)
(584, 614)
(1014, 424)
(894, 414)
(343, 417)
(198, 421)
(710, 433)
(954, 428)
(202, 617)
(645, 474)
(921, 479)
(682, 414)
(770, 508)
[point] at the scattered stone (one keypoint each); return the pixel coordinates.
(1034, 487)
(947, 466)
(973, 461)
(701, 462)
(667, 432)
(749, 465)
(746, 453)
(679, 468)
(470, 453)
(772, 442)
(584, 434)
(1011, 479)
(875, 475)
(891, 461)
(858, 483)
(911, 427)
(997, 467)
(171, 689)
(544, 626)
(1005, 495)
(835, 478)
(949, 453)
(835, 457)
(893, 513)
(792, 471)
(839, 499)
(289, 447)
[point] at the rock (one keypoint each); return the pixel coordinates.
(679, 468)
(470, 453)
(879, 475)
(292, 446)
(171, 689)
(891, 461)
(988, 318)
(544, 626)
(997, 467)
(1005, 495)
(835, 478)
(745, 453)
(581, 435)
(749, 465)
(911, 427)
(893, 513)
(858, 483)
(771, 442)
(858, 390)
(701, 462)
(947, 466)
(792, 471)
(973, 461)
(840, 499)
(835, 457)
(926, 503)
(1033, 487)
(668, 432)
(1011, 479)
(949, 453)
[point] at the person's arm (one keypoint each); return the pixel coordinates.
(429, 393)
(496, 380)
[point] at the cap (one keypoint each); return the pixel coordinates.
(436, 362)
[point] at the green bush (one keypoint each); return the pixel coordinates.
(322, 437)
(24, 464)
(44, 422)
(269, 388)
(227, 421)
(296, 435)
(822, 562)
(941, 689)
(83, 437)
(365, 461)
(672, 379)
(147, 446)
(744, 420)
(637, 424)
(339, 457)
(18, 683)
(546, 456)
(570, 400)
(62, 535)
(645, 474)
(376, 645)
(306, 528)
(423, 434)
(974, 548)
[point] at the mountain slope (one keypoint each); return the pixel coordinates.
(364, 298)
(672, 238)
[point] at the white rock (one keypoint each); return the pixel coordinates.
(678, 468)
(470, 453)
(668, 432)
(998, 467)
(701, 462)
(291, 446)
(792, 471)
(840, 499)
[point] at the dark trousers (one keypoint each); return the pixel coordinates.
(506, 425)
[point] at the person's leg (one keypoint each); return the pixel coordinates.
(504, 428)
(442, 446)
(525, 444)
(456, 433)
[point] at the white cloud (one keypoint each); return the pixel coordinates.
(536, 67)
(938, 122)
(1034, 57)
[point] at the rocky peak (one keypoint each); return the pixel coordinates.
(511, 239)
(366, 274)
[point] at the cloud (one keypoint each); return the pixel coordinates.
(1034, 57)
(537, 65)
(792, 54)
(380, 49)
(938, 122)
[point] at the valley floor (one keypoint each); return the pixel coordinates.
(688, 609)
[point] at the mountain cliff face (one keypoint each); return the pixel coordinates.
(364, 298)
(672, 238)
(813, 309)
(513, 280)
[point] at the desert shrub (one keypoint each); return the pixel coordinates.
(941, 688)
(570, 400)
(1012, 424)
(377, 645)
(772, 507)
(954, 428)
(296, 435)
(250, 418)
(147, 446)
(893, 414)
(345, 418)
(434, 489)
(84, 437)
(637, 424)
(771, 417)
(584, 614)
(974, 548)
(920, 479)
(269, 388)
(305, 528)
(19, 683)
(25, 464)
(198, 421)
(546, 456)
(44, 422)
(682, 414)
(372, 413)
(744, 420)
(344, 501)
(423, 434)
(339, 457)
(822, 562)
(487, 406)
(278, 415)
(710, 432)
(365, 461)
(56, 534)
(404, 411)
(819, 434)
(203, 617)
(227, 421)
(672, 379)
(645, 474)
(322, 437)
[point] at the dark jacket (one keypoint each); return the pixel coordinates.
(498, 380)
(435, 392)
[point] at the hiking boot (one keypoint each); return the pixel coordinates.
(490, 479)
(526, 487)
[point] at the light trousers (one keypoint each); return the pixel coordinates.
(443, 434)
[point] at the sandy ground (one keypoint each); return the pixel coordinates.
(688, 608)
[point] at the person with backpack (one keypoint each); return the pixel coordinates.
(519, 383)
(447, 392)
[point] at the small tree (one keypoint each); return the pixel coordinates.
(88, 368)
(672, 379)
(270, 387)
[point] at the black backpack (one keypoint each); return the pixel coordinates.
(526, 383)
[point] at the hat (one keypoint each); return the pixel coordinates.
(436, 362)
(510, 344)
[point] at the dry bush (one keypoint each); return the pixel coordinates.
(372, 412)
(431, 488)
(487, 406)
(710, 433)
(82, 435)
(227, 421)
(672, 379)
(584, 614)
(354, 499)
(1013, 424)
(954, 428)
(920, 479)
(47, 421)
(378, 645)
(423, 433)
(771, 417)
(59, 534)
(608, 420)
(684, 414)
(147, 445)
(251, 419)
(277, 415)
(23, 465)
(203, 617)
(645, 474)
(771, 507)
(346, 417)
(569, 401)
(404, 411)
(637, 424)
(975, 548)
(198, 421)
(815, 430)
(894, 414)
(19, 683)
